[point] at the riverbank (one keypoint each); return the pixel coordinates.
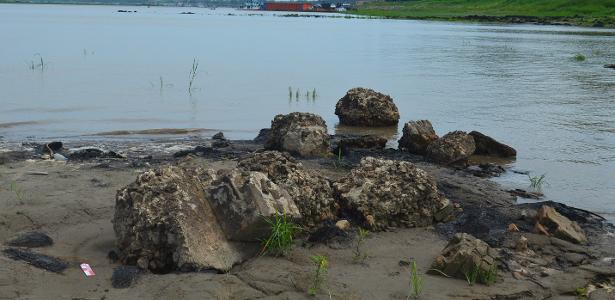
(561, 12)
(73, 202)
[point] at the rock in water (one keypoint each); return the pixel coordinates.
(244, 199)
(263, 136)
(311, 192)
(452, 147)
(486, 145)
(302, 134)
(463, 255)
(218, 136)
(164, 222)
(345, 143)
(31, 239)
(366, 107)
(417, 135)
(559, 226)
(385, 193)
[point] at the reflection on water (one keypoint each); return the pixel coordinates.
(106, 71)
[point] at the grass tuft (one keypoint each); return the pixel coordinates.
(193, 72)
(320, 274)
(358, 254)
(487, 277)
(536, 182)
(19, 191)
(281, 237)
(416, 282)
(579, 57)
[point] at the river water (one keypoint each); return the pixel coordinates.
(104, 70)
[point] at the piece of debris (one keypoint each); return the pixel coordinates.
(37, 173)
(40, 261)
(87, 270)
(31, 239)
(610, 66)
(512, 227)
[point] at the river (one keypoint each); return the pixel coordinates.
(104, 70)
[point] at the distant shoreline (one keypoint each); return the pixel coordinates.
(556, 12)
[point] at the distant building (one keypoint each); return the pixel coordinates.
(288, 6)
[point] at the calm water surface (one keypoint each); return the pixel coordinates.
(108, 71)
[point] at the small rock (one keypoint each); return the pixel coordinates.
(560, 226)
(366, 107)
(512, 227)
(31, 239)
(485, 170)
(417, 135)
(610, 66)
(220, 143)
(521, 244)
(302, 134)
(218, 136)
(452, 147)
(486, 145)
(343, 225)
(463, 254)
(124, 276)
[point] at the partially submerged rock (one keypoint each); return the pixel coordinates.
(346, 143)
(311, 192)
(452, 147)
(164, 222)
(486, 145)
(386, 193)
(549, 221)
(366, 107)
(219, 140)
(465, 254)
(417, 135)
(40, 261)
(263, 136)
(302, 134)
(31, 239)
(243, 199)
